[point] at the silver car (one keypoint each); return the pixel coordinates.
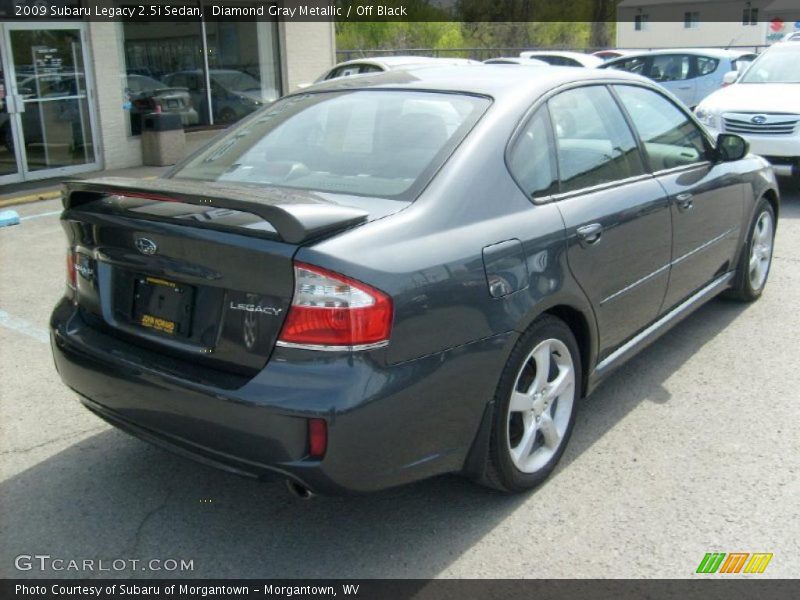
(689, 74)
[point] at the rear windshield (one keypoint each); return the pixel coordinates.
(372, 143)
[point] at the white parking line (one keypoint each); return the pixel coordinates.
(24, 327)
(45, 214)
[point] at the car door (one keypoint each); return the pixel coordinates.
(616, 216)
(709, 72)
(706, 198)
(674, 73)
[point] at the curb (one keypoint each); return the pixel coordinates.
(35, 197)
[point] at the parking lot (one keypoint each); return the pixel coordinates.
(691, 447)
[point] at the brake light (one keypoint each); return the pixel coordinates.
(72, 278)
(317, 438)
(331, 311)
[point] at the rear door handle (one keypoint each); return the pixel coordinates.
(589, 234)
(684, 201)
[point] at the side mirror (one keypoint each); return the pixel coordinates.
(731, 147)
(730, 77)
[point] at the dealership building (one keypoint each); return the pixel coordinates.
(73, 92)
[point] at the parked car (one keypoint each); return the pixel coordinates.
(564, 59)
(609, 54)
(516, 60)
(362, 66)
(234, 94)
(354, 294)
(764, 107)
(689, 74)
(149, 95)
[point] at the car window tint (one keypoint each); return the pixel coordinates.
(370, 143)
(593, 142)
(531, 158)
(670, 138)
(706, 65)
(669, 67)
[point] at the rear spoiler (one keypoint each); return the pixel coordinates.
(297, 215)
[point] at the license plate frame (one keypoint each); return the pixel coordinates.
(163, 306)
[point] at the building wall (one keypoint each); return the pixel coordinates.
(306, 49)
(660, 32)
(118, 148)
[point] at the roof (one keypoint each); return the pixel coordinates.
(516, 60)
(712, 52)
(486, 80)
(396, 61)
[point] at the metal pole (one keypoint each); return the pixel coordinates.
(205, 67)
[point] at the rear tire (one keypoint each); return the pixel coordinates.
(756, 257)
(535, 406)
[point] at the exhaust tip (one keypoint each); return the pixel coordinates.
(299, 490)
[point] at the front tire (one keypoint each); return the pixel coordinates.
(535, 406)
(756, 258)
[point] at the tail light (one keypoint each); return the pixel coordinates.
(332, 312)
(72, 278)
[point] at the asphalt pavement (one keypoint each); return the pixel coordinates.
(692, 447)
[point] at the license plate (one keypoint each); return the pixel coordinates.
(163, 305)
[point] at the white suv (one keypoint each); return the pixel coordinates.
(764, 107)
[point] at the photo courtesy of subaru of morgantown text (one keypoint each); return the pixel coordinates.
(378, 279)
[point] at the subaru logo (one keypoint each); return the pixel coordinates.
(759, 119)
(146, 246)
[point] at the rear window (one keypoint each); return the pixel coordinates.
(371, 143)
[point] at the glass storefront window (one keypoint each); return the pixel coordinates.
(165, 70)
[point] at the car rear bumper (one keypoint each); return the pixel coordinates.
(387, 425)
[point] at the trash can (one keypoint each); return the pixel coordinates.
(163, 140)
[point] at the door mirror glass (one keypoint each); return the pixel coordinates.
(730, 77)
(731, 147)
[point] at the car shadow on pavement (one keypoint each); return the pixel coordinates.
(111, 496)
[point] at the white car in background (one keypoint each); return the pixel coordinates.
(763, 106)
(516, 60)
(363, 66)
(690, 74)
(558, 58)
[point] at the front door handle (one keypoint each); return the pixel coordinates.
(589, 234)
(684, 201)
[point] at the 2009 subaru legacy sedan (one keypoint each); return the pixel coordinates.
(372, 282)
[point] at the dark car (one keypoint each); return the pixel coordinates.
(382, 279)
(148, 95)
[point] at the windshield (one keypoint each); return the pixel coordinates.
(371, 143)
(774, 66)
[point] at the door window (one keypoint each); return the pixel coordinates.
(593, 142)
(531, 158)
(671, 139)
(670, 67)
(631, 65)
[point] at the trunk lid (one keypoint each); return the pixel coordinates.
(197, 270)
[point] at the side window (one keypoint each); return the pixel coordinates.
(531, 158)
(632, 65)
(593, 142)
(670, 138)
(670, 67)
(706, 65)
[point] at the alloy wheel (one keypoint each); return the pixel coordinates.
(541, 405)
(761, 251)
